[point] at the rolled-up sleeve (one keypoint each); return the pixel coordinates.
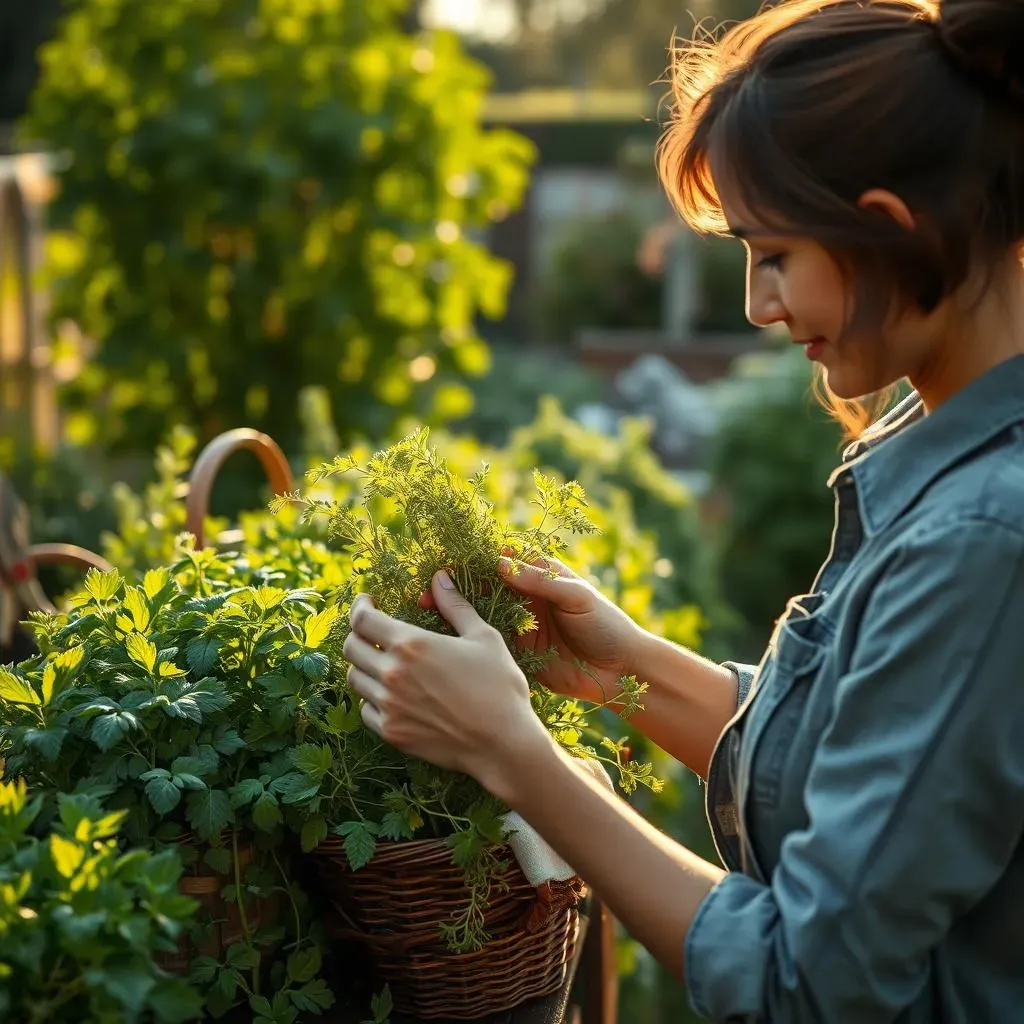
(915, 800)
(745, 675)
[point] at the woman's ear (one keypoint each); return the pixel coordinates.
(880, 200)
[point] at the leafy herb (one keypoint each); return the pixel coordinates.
(82, 923)
(412, 517)
(176, 702)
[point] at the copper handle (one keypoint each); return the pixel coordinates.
(31, 594)
(214, 455)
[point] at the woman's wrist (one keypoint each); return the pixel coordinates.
(522, 747)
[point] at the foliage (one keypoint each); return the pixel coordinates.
(82, 923)
(178, 701)
(261, 195)
(595, 280)
(507, 397)
(722, 272)
(771, 459)
(412, 517)
(624, 472)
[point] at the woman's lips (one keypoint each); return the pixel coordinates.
(813, 347)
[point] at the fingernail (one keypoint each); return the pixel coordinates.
(504, 564)
(445, 580)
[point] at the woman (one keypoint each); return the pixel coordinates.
(866, 781)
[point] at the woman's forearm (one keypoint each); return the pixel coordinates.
(688, 703)
(650, 883)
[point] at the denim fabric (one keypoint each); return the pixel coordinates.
(868, 795)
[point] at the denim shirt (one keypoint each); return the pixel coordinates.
(868, 795)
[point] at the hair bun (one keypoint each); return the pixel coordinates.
(986, 38)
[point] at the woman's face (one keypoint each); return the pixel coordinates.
(795, 282)
(792, 280)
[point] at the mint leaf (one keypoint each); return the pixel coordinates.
(209, 812)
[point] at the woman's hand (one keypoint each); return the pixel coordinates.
(460, 702)
(581, 624)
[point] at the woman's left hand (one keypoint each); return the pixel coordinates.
(460, 702)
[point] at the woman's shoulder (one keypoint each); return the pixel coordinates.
(985, 488)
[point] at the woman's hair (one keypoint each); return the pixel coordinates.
(811, 103)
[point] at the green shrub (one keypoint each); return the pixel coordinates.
(80, 922)
(595, 281)
(259, 195)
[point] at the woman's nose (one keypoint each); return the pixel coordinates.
(764, 304)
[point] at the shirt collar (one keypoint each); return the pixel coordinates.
(898, 457)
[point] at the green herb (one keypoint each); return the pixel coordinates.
(178, 702)
(81, 923)
(412, 517)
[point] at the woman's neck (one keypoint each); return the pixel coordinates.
(987, 334)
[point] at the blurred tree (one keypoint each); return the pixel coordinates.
(266, 194)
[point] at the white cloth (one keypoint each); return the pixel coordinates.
(539, 861)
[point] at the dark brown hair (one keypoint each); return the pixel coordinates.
(811, 103)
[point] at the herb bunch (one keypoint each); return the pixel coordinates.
(181, 703)
(81, 923)
(411, 517)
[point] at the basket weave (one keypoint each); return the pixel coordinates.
(205, 887)
(396, 903)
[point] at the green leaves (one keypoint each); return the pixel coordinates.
(162, 793)
(360, 841)
(313, 760)
(141, 651)
(103, 586)
(209, 812)
(201, 654)
(77, 916)
(16, 690)
(318, 627)
(108, 730)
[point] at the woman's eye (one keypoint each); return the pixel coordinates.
(773, 262)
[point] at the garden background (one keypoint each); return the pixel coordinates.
(335, 221)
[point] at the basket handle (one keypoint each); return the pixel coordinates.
(30, 593)
(214, 455)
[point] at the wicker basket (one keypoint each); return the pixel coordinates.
(205, 887)
(395, 906)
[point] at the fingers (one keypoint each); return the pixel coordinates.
(373, 717)
(364, 655)
(373, 625)
(566, 592)
(458, 612)
(371, 690)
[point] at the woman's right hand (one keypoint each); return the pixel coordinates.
(580, 623)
